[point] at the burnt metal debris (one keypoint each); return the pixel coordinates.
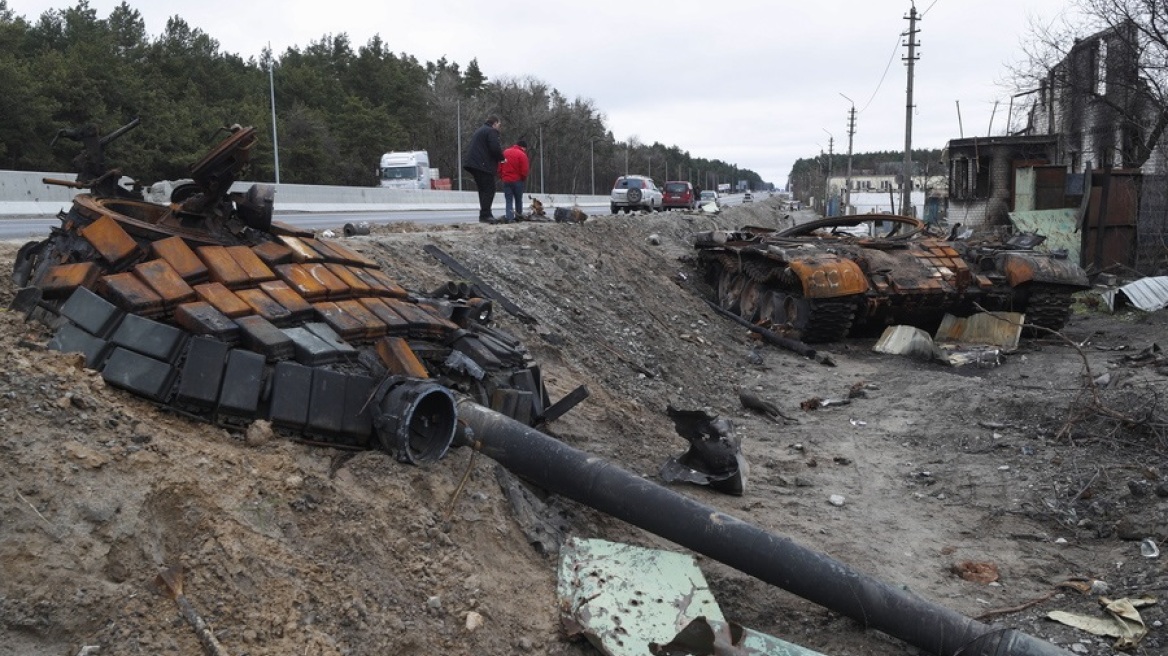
(208, 306)
(714, 456)
(823, 280)
(561, 469)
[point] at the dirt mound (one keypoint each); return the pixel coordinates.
(297, 549)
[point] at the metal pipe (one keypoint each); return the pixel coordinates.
(563, 470)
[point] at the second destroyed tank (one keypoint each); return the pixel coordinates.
(824, 280)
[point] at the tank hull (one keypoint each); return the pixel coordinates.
(826, 280)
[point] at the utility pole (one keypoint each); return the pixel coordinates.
(851, 133)
(827, 180)
(906, 184)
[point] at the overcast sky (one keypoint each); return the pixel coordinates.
(753, 83)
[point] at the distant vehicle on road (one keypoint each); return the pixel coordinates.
(679, 194)
(635, 192)
(711, 197)
(747, 197)
(406, 170)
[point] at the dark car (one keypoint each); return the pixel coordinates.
(679, 194)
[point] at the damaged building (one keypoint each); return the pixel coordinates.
(1088, 165)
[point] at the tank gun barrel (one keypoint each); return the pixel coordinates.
(777, 560)
(135, 122)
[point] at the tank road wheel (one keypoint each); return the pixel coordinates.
(730, 290)
(771, 309)
(750, 301)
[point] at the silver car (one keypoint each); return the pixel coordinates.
(635, 192)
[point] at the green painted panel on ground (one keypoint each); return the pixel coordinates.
(624, 598)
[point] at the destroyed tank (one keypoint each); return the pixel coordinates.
(207, 306)
(824, 280)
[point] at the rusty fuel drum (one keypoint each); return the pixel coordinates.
(778, 560)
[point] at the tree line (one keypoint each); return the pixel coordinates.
(337, 107)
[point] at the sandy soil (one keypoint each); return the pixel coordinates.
(296, 549)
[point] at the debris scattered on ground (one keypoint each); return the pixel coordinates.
(1122, 621)
(762, 406)
(815, 403)
(714, 457)
(978, 572)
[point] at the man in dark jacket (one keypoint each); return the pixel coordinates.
(482, 160)
(513, 173)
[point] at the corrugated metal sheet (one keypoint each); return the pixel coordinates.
(1002, 329)
(1148, 294)
(1058, 226)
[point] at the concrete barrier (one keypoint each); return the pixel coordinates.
(24, 193)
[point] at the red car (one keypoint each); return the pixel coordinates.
(678, 194)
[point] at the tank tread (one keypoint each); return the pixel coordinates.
(1049, 306)
(829, 320)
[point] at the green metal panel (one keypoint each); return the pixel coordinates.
(623, 598)
(1060, 227)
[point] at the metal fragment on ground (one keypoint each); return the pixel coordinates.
(714, 457)
(622, 597)
(707, 636)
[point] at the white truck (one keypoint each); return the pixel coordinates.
(406, 170)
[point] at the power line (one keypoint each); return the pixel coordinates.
(895, 49)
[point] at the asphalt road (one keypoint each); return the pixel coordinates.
(19, 228)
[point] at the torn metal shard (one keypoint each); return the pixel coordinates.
(1001, 329)
(714, 456)
(622, 597)
(709, 636)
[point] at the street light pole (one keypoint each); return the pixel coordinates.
(592, 162)
(272, 90)
(458, 137)
(541, 158)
